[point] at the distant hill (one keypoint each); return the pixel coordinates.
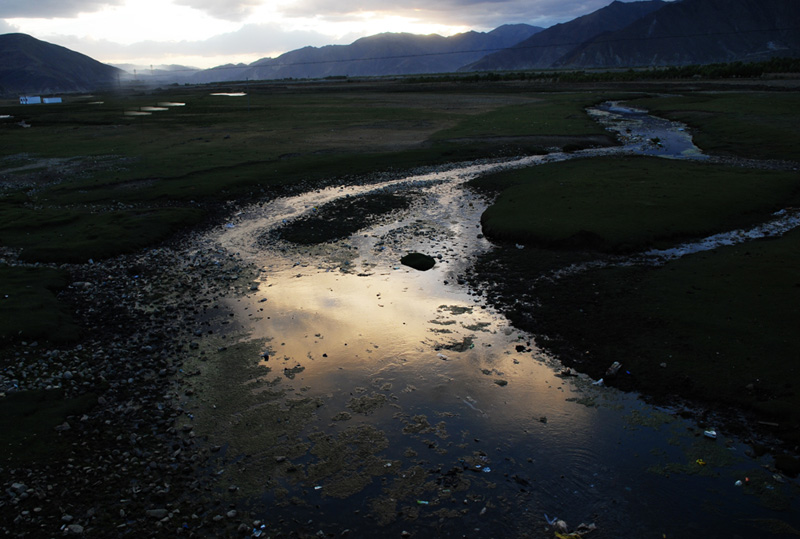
(160, 74)
(31, 66)
(381, 54)
(547, 47)
(697, 32)
(219, 73)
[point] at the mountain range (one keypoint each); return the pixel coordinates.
(622, 34)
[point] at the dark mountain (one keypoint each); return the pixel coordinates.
(383, 54)
(697, 32)
(547, 47)
(29, 66)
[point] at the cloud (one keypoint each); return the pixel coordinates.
(477, 14)
(221, 9)
(7, 28)
(252, 40)
(49, 9)
(256, 38)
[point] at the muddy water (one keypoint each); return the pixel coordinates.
(381, 399)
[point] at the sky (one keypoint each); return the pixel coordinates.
(208, 33)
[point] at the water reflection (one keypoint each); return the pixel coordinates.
(644, 134)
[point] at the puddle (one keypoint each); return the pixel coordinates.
(376, 397)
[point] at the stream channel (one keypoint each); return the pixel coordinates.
(349, 392)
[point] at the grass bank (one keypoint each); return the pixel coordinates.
(623, 204)
(717, 327)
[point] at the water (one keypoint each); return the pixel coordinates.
(433, 415)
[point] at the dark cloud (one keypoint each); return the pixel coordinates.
(477, 14)
(222, 9)
(49, 9)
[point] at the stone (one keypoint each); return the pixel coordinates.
(75, 529)
(418, 261)
(157, 513)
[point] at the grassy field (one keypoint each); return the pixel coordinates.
(88, 181)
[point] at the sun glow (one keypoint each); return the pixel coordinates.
(143, 20)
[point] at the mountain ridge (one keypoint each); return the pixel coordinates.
(647, 33)
(388, 53)
(742, 30)
(541, 50)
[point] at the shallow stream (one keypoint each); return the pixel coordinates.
(383, 399)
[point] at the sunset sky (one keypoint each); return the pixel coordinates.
(206, 33)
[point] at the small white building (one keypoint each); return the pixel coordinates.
(30, 100)
(51, 100)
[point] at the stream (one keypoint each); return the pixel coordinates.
(379, 397)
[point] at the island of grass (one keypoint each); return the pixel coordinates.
(623, 204)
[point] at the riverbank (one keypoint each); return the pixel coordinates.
(713, 329)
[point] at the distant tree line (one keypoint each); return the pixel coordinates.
(730, 70)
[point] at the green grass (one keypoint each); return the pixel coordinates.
(723, 322)
(28, 420)
(69, 235)
(727, 319)
(29, 309)
(759, 125)
(619, 204)
(554, 114)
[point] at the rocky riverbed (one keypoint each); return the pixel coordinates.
(128, 462)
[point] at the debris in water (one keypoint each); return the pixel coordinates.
(613, 369)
